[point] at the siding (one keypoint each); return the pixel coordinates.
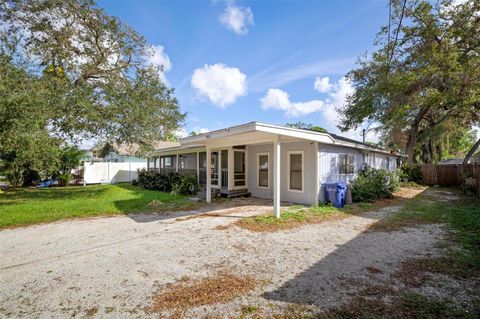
(328, 164)
(305, 197)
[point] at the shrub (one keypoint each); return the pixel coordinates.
(186, 185)
(172, 182)
(372, 184)
(411, 173)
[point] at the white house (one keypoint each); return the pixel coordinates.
(270, 161)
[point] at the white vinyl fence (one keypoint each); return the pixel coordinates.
(111, 173)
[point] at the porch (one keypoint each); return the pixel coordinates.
(228, 168)
(269, 161)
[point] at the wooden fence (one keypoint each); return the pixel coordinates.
(451, 175)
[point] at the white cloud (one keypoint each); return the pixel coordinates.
(181, 132)
(156, 56)
(202, 130)
(222, 85)
(322, 85)
(279, 100)
(337, 97)
(237, 19)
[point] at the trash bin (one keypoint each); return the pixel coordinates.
(330, 192)
(341, 194)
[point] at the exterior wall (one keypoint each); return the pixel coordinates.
(304, 197)
(328, 164)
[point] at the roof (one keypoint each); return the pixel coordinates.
(132, 149)
(245, 133)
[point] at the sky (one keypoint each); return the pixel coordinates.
(277, 62)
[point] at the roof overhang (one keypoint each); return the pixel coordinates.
(259, 133)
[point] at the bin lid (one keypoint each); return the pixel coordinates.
(341, 185)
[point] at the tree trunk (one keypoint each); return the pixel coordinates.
(413, 135)
(471, 151)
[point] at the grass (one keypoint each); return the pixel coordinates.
(30, 206)
(463, 218)
(407, 305)
(293, 216)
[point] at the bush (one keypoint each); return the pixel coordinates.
(187, 185)
(372, 184)
(411, 173)
(172, 182)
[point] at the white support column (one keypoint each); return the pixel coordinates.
(198, 167)
(276, 177)
(219, 169)
(209, 177)
(231, 170)
(316, 186)
(177, 163)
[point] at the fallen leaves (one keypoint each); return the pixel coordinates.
(199, 292)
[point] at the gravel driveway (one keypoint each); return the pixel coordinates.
(111, 267)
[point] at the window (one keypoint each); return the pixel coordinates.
(262, 166)
(295, 171)
(346, 164)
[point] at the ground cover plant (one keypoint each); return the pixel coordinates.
(30, 206)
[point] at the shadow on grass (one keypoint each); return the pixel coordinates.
(150, 206)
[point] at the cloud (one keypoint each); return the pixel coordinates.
(272, 77)
(322, 84)
(181, 132)
(337, 97)
(280, 100)
(222, 85)
(156, 56)
(237, 19)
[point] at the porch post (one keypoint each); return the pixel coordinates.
(198, 167)
(209, 177)
(276, 177)
(219, 169)
(177, 163)
(230, 168)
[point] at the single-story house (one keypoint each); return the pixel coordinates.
(270, 161)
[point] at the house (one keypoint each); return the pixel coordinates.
(270, 161)
(123, 153)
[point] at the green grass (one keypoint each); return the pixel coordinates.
(293, 216)
(463, 218)
(30, 206)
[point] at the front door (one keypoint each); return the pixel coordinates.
(239, 169)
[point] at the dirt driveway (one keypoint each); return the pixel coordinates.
(111, 267)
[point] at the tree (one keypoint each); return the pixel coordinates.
(70, 72)
(70, 158)
(426, 76)
(94, 71)
(307, 126)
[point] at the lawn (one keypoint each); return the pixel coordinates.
(30, 206)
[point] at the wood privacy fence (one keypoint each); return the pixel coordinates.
(451, 175)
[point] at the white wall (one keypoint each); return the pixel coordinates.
(328, 164)
(109, 172)
(305, 197)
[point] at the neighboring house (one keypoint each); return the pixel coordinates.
(270, 161)
(123, 153)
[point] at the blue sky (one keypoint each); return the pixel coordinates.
(239, 61)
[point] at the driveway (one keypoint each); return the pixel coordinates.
(111, 267)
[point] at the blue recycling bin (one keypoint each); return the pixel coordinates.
(340, 195)
(330, 192)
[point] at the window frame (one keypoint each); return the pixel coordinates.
(339, 157)
(289, 153)
(268, 170)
